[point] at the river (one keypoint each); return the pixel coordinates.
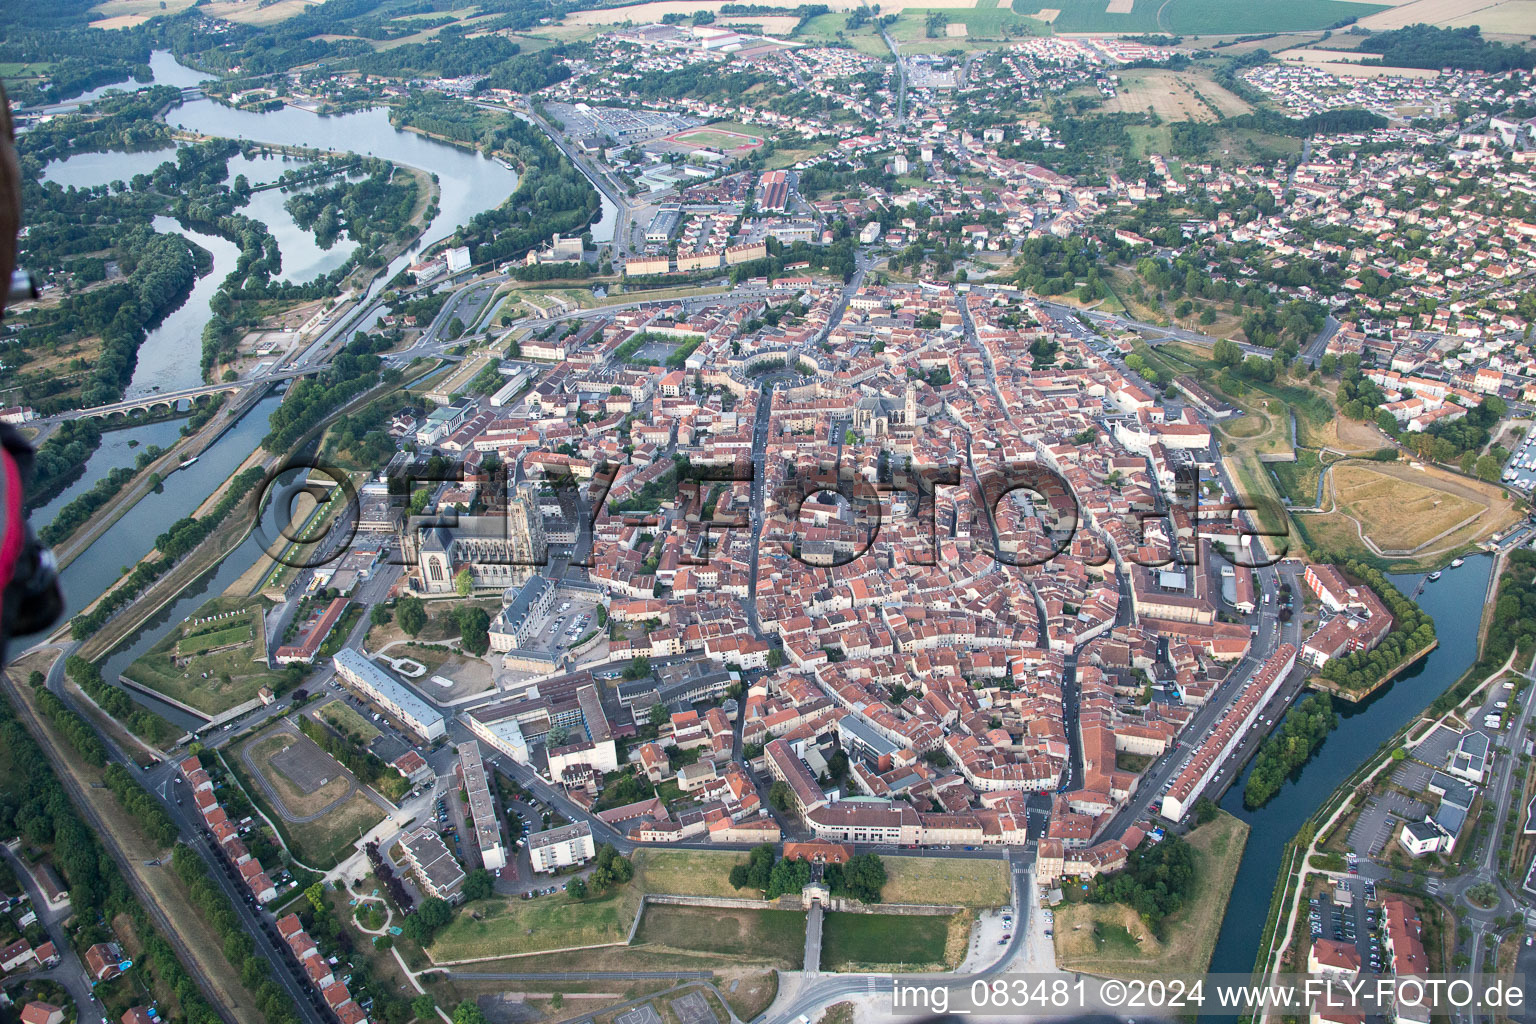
(165, 70)
(169, 357)
(469, 182)
(1456, 603)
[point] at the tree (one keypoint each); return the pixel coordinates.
(474, 630)
(658, 715)
(478, 885)
(577, 888)
(429, 918)
(1226, 352)
(316, 896)
(412, 614)
(788, 876)
(775, 658)
(379, 615)
(469, 1013)
(638, 668)
(424, 1007)
(464, 582)
(779, 796)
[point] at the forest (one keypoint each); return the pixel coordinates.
(1426, 46)
(1289, 747)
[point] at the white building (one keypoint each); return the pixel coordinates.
(561, 847)
(378, 686)
(458, 259)
(482, 809)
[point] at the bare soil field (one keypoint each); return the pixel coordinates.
(1395, 512)
(652, 11)
(250, 14)
(1401, 507)
(1433, 12)
(1507, 17)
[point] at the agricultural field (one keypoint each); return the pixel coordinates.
(253, 14)
(511, 926)
(128, 13)
(979, 22)
(1111, 940)
(887, 941)
(772, 936)
(950, 881)
(1222, 17)
(1203, 17)
(833, 28)
(640, 14)
(1493, 16)
(210, 666)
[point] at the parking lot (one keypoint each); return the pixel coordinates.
(1413, 775)
(1356, 924)
(1437, 746)
(1381, 816)
(572, 620)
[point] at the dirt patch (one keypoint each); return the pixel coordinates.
(278, 754)
(1172, 95)
(1404, 508)
(1120, 6)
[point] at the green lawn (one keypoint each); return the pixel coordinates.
(689, 872)
(773, 936)
(947, 881)
(508, 926)
(345, 720)
(211, 683)
(849, 940)
(218, 638)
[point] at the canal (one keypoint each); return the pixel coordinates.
(1456, 603)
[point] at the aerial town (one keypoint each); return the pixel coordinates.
(715, 513)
